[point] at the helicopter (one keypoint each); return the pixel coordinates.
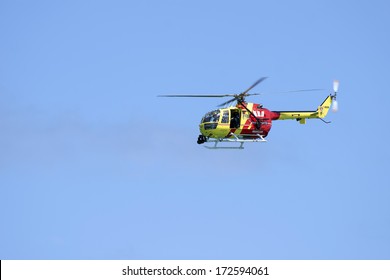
(249, 122)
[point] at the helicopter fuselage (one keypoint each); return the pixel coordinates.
(251, 120)
(224, 122)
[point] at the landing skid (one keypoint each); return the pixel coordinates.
(236, 139)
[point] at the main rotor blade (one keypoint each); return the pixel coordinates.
(236, 97)
(227, 102)
(196, 95)
(292, 91)
(303, 90)
(255, 84)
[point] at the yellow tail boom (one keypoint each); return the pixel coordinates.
(301, 116)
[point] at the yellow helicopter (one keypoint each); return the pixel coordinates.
(249, 122)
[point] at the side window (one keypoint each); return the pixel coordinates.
(225, 116)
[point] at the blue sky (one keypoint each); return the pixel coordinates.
(94, 166)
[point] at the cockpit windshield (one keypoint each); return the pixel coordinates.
(211, 117)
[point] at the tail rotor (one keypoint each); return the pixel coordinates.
(335, 106)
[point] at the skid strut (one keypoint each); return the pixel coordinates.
(236, 139)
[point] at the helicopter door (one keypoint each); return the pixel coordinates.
(234, 118)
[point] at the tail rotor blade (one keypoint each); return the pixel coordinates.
(335, 106)
(335, 86)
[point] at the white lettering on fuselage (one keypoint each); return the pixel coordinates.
(259, 114)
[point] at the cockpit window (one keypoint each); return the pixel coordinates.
(225, 116)
(211, 117)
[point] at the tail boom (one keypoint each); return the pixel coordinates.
(301, 116)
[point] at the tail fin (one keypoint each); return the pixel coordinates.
(323, 109)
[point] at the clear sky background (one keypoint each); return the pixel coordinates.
(94, 166)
